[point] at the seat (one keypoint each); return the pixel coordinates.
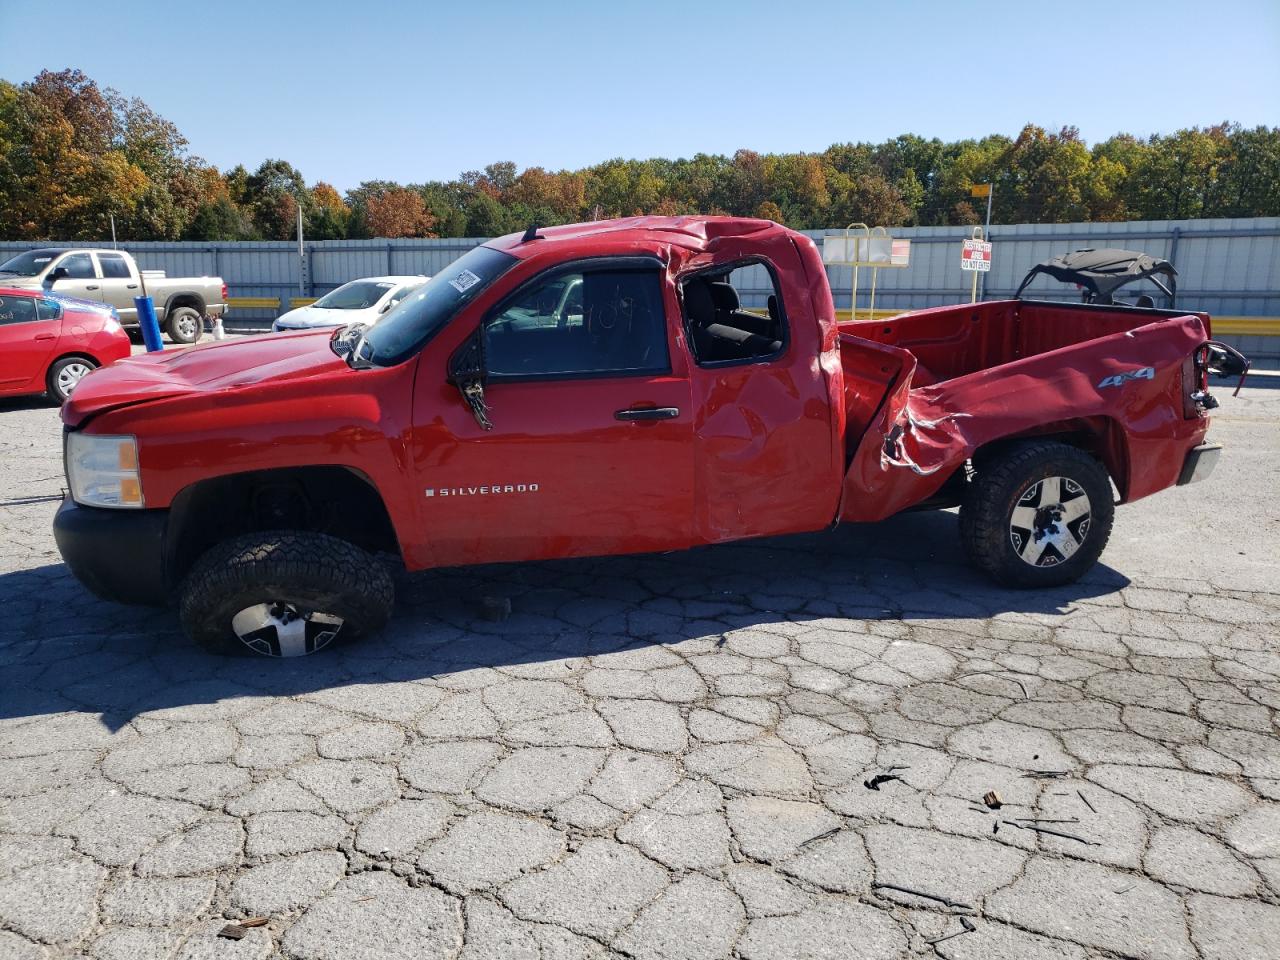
(1146, 300)
(721, 331)
(729, 312)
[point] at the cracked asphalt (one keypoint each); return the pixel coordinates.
(669, 756)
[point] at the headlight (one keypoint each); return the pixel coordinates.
(103, 471)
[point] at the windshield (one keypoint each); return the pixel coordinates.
(28, 264)
(417, 317)
(355, 295)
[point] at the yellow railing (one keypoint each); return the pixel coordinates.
(253, 303)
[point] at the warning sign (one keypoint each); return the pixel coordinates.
(976, 255)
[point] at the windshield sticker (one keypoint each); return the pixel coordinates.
(464, 281)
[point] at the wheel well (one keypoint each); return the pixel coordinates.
(183, 300)
(335, 500)
(74, 354)
(1101, 437)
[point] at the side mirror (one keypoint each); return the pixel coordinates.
(54, 275)
(387, 306)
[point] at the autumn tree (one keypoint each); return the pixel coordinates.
(399, 213)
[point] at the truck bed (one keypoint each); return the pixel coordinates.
(951, 342)
(924, 390)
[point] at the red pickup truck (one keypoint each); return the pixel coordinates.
(601, 389)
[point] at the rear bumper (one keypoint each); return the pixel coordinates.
(1199, 463)
(117, 554)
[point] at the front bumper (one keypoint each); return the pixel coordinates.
(117, 554)
(1199, 463)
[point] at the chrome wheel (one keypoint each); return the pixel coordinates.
(186, 327)
(281, 629)
(1050, 521)
(70, 375)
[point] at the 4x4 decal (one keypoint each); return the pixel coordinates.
(1119, 379)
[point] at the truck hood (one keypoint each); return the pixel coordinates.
(212, 369)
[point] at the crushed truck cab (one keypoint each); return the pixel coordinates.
(618, 387)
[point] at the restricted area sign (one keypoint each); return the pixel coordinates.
(976, 255)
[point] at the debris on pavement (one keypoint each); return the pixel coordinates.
(968, 927)
(1091, 807)
(237, 930)
(992, 800)
(496, 609)
(822, 836)
(879, 778)
(945, 901)
(1052, 832)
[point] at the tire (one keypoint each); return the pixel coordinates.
(184, 324)
(1037, 515)
(241, 593)
(65, 374)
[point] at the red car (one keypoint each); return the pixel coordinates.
(601, 389)
(48, 343)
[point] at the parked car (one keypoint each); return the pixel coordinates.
(48, 344)
(362, 301)
(254, 481)
(112, 277)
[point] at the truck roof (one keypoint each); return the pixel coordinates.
(693, 233)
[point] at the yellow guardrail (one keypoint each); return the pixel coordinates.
(253, 303)
(844, 315)
(1246, 326)
(295, 302)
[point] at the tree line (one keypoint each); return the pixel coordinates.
(73, 154)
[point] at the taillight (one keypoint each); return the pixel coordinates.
(224, 293)
(1196, 399)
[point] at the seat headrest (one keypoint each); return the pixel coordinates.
(699, 303)
(726, 297)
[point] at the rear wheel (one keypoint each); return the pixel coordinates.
(65, 374)
(184, 324)
(284, 594)
(1038, 515)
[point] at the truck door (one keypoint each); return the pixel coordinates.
(119, 285)
(590, 451)
(82, 279)
(763, 444)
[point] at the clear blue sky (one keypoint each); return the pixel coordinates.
(349, 91)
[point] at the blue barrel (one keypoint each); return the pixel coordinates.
(149, 324)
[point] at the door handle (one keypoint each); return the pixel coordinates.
(91, 286)
(647, 413)
(44, 336)
(131, 286)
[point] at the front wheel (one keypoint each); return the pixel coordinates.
(65, 374)
(1038, 515)
(184, 324)
(283, 594)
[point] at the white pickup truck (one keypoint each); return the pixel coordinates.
(112, 276)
